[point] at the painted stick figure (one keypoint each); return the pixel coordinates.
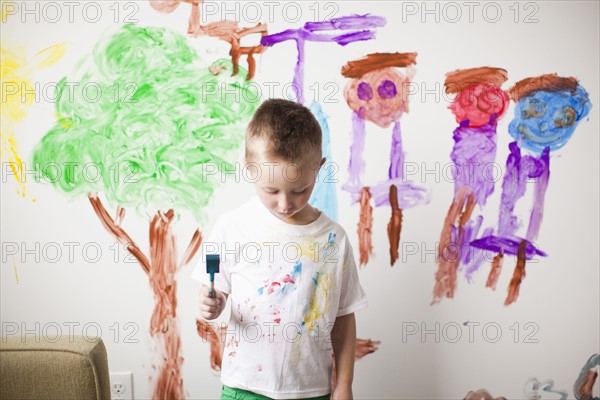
(548, 109)
(228, 31)
(377, 92)
(478, 105)
(354, 28)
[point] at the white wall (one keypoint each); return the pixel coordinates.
(559, 295)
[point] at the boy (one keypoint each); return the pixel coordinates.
(288, 268)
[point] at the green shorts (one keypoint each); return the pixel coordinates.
(230, 393)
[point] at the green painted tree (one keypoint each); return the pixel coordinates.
(140, 120)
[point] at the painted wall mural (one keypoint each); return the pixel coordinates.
(144, 113)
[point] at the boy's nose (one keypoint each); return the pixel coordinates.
(284, 203)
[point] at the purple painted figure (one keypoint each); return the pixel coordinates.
(378, 93)
(478, 105)
(548, 109)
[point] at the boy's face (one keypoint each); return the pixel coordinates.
(285, 187)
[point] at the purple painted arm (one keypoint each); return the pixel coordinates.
(307, 33)
(348, 22)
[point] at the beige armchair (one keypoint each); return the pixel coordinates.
(72, 367)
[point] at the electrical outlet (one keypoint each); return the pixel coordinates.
(121, 385)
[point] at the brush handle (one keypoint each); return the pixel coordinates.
(211, 289)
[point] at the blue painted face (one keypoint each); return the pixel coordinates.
(548, 119)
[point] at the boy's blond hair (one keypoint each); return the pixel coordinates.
(286, 129)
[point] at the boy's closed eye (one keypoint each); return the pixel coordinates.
(275, 191)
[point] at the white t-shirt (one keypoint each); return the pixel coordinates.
(287, 284)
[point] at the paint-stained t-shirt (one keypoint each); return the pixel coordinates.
(287, 284)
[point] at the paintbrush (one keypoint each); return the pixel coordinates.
(212, 268)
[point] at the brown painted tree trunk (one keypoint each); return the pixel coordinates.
(164, 326)
(161, 269)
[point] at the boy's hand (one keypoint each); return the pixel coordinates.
(211, 308)
(342, 392)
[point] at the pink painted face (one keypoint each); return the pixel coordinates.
(379, 96)
(478, 102)
(284, 188)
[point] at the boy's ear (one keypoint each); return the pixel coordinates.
(322, 162)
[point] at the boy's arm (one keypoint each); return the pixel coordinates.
(343, 339)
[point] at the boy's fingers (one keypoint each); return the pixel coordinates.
(211, 302)
(204, 308)
(209, 309)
